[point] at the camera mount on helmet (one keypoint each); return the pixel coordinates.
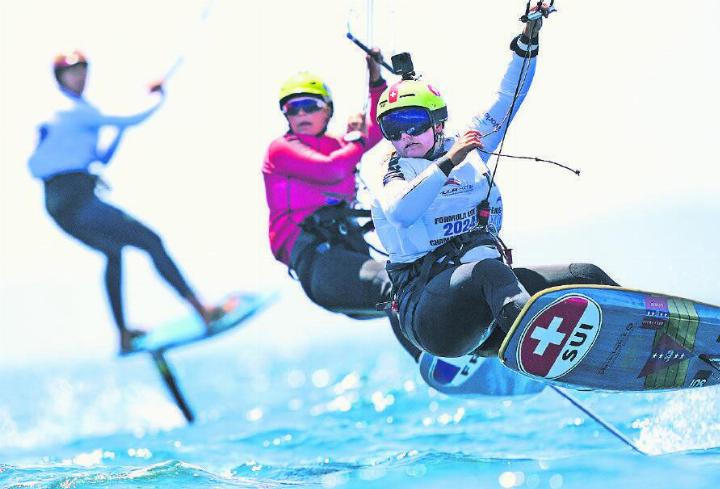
(403, 66)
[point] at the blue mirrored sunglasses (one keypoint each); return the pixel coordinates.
(412, 121)
(306, 104)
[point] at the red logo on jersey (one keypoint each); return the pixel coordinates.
(453, 181)
(433, 90)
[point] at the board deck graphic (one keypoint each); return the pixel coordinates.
(473, 376)
(612, 338)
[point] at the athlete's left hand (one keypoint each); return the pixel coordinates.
(373, 64)
(356, 122)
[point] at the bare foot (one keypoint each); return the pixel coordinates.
(214, 313)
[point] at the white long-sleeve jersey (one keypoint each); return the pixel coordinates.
(69, 138)
(418, 207)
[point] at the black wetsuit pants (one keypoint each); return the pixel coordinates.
(71, 201)
(346, 281)
(450, 315)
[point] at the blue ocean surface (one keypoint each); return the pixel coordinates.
(335, 403)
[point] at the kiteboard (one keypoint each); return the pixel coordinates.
(610, 338)
(238, 308)
(472, 376)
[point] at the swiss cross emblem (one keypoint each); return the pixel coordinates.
(557, 339)
(393, 95)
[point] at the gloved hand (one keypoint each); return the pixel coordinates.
(534, 19)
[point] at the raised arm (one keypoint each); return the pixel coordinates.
(493, 122)
(514, 87)
(93, 118)
(377, 87)
(129, 120)
(366, 123)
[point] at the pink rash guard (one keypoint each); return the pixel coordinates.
(303, 173)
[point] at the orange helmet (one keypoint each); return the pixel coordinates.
(68, 59)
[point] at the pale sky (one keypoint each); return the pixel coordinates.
(627, 93)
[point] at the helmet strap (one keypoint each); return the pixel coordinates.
(439, 139)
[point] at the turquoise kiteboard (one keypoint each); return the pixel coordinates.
(610, 338)
(237, 309)
(240, 308)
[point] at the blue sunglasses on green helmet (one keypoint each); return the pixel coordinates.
(411, 120)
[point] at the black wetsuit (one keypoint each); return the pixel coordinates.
(71, 201)
(450, 314)
(332, 261)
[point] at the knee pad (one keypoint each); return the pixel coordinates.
(589, 273)
(494, 272)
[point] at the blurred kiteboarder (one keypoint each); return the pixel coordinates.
(67, 146)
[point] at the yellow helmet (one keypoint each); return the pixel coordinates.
(304, 83)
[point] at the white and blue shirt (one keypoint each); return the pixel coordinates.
(418, 207)
(68, 140)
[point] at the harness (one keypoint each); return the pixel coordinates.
(409, 278)
(329, 226)
(66, 191)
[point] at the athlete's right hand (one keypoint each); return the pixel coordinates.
(356, 122)
(467, 142)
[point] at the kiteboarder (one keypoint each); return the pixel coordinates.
(438, 214)
(67, 146)
(311, 191)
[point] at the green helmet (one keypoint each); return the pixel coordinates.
(304, 83)
(413, 93)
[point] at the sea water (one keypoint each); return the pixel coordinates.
(330, 403)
